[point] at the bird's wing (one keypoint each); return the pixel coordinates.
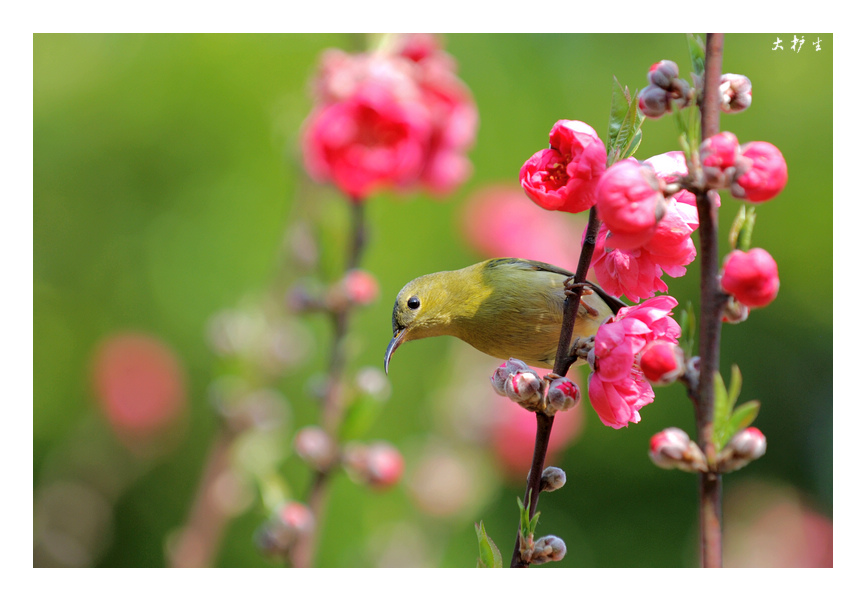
(528, 265)
(611, 301)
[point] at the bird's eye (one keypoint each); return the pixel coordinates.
(413, 302)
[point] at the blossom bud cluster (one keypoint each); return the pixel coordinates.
(755, 172)
(392, 119)
(665, 90)
(377, 464)
(673, 449)
(517, 381)
(743, 448)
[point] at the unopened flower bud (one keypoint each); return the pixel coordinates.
(719, 155)
(673, 449)
(500, 377)
(288, 523)
(751, 277)
(548, 548)
(630, 202)
(743, 448)
(663, 73)
(653, 101)
(736, 92)
(562, 395)
(378, 465)
(552, 478)
(761, 172)
(662, 362)
(360, 287)
(315, 447)
(525, 388)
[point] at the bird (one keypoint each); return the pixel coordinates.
(504, 307)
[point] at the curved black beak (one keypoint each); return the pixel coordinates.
(396, 341)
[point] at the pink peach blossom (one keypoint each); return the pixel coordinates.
(564, 177)
(762, 173)
(751, 277)
(630, 203)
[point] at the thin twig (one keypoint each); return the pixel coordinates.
(564, 360)
(303, 552)
(712, 302)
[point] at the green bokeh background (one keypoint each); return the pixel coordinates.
(165, 171)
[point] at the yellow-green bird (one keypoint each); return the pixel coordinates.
(506, 308)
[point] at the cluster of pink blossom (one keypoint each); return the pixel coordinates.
(618, 388)
(392, 119)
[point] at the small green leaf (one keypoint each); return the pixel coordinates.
(743, 416)
(534, 522)
(696, 53)
(489, 555)
(624, 134)
(734, 388)
(722, 410)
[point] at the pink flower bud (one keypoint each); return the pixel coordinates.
(761, 173)
(736, 92)
(663, 73)
(630, 203)
(662, 362)
(279, 534)
(503, 373)
(719, 156)
(378, 465)
(653, 101)
(315, 447)
(673, 449)
(743, 448)
(524, 387)
(548, 548)
(751, 277)
(564, 176)
(360, 287)
(552, 478)
(562, 394)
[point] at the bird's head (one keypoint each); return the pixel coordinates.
(420, 311)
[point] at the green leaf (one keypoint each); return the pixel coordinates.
(743, 416)
(734, 388)
(489, 555)
(696, 53)
(623, 132)
(722, 410)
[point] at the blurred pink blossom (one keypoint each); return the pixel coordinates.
(498, 222)
(391, 119)
(140, 386)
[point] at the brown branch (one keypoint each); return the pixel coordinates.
(303, 552)
(712, 303)
(564, 360)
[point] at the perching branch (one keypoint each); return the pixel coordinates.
(564, 360)
(712, 303)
